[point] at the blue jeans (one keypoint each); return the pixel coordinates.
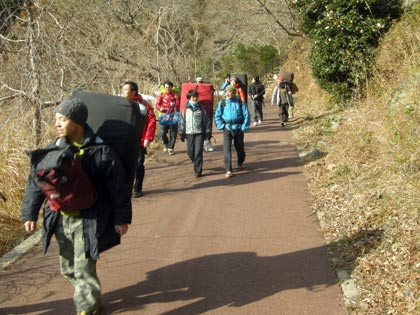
(173, 132)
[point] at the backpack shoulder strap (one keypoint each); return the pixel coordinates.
(223, 104)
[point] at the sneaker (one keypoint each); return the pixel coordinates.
(96, 312)
(137, 194)
(165, 148)
(259, 122)
(282, 124)
(255, 123)
(171, 151)
(228, 174)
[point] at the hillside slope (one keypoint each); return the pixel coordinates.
(365, 183)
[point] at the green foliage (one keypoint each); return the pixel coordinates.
(258, 59)
(344, 36)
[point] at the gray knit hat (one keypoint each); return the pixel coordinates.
(74, 109)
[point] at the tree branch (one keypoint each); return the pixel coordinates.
(284, 28)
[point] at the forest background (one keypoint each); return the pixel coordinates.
(357, 67)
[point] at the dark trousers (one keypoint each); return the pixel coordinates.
(283, 112)
(138, 183)
(238, 142)
(258, 109)
(195, 144)
(173, 131)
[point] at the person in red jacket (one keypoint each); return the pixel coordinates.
(239, 90)
(168, 102)
(130, 90)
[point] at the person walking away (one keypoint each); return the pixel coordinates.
(256, 92)
(239, 89)
(130, 90)
(82, 234)
(195, 126)
(232, 117)
(279, 98)
(166, 103)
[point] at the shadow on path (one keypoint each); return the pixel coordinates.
(230, 279)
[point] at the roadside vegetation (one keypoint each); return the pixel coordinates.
(366, 183)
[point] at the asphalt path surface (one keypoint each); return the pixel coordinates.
(211, 245)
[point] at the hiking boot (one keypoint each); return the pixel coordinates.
(259, 122)
(171, 151)
(239, 166)
(228, 174)
(197, 175)
(165, 148)
(137, 194)
(282, 124)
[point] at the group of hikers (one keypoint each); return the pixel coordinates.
(85, 228)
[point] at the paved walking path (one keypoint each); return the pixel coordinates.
(212, 245)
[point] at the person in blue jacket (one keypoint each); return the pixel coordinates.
(226, 82)
(232, 116)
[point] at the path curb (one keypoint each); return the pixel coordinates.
(20, 250)
(347, 284)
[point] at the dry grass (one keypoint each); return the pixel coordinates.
(368, 184)
(14, 169)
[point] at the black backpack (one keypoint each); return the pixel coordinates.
(62, 179)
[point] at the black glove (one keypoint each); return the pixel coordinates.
(208, 136)
(182, 138)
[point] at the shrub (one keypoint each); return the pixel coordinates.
(344, 35)
(258, 58)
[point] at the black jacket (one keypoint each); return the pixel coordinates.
(258, 89)
(113, 205)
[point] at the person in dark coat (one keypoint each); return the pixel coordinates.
(82, 234)
(256, 92)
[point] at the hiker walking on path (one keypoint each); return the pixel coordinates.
(168, 102)
(195, 126)
(130, 90)
(280, 98)
(232, 117)
(240, 92)
(82, 233)
(256, 92)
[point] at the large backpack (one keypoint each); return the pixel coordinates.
(205, 95)
(62, 178)
(118, 121)
(242, 79)
(287, 86)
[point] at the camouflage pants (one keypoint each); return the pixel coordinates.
(75, 266)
